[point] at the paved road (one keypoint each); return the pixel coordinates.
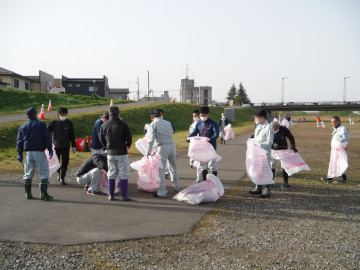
(76, 218)
(22, 117)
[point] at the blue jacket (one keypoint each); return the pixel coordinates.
(95, 143)
(33, 136)
(212, 130)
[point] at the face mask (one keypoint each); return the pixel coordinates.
(257, 121)
(196, 119)
(276, 131)
(203, 119)
(62, 118)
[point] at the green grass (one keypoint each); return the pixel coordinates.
(17, 101)
(179, 114)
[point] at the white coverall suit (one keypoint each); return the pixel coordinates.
(340, 135)
(264, 134)
(161, 137)
(90, 179)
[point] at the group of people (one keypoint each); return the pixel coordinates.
(112, 138)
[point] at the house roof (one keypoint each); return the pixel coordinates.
(64, 78)
(34, 78)
(4, 71)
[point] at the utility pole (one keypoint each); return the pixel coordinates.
(148, 86)
(138, 93)
(344, 95)
(282, 90)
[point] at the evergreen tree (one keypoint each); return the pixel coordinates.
(241, 96)
(231, 93)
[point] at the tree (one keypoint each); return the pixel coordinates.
(241, 96)
(231, 93)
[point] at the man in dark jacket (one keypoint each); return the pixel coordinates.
(63, 131)
(33, 137)
(280, 143)
(96, 145)
(223, 122)
(206, 127)
(89, 173)
(116, 136)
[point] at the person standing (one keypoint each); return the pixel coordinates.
(116, 136)
(89, 173)
(280, 143)
(161, 137)
(264, 134)
(206, 127)
(318, 121)
(223, 122)
(96, 145)
(196, 119)
(63, 135)
(34, 137)
(339, 135)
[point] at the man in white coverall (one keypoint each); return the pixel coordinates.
(264, 134)
(339, 135)
(161, 137)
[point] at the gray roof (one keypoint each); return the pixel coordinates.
(4, 71)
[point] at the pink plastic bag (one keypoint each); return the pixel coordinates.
(291, 162)
(229, 134)
(200, 149)
(207, 191)
(104, 183)
(338, 161)
(54, 163)
(322, 124)
(257, 166)
(144, 183)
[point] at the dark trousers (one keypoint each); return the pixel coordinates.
(63, 152)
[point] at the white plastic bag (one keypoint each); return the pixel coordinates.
(104, 183)
(291, 161)
(200, 149)
(338, 160)
(141, 145)
(54, 163)
(285, 123)
(322, 124)
(229, 133)
(207, 191)
(257, 166)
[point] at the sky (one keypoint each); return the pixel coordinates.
(314, 43)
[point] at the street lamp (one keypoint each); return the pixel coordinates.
(282, 90)
(344, 96)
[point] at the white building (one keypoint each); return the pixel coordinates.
(189, 93)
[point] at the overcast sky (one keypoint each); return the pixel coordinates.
(315, 43)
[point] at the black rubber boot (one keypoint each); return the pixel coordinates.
(266, 193)
(274, 172)
(286, 179)
(43, 190)
(27, 184)
(214, 173)
(257, 190)
(204, 173)
(343, 180)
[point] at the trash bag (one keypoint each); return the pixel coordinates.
(285, 123)
(141, 145)
(322, 124)
(144, 183)
(291, 161)
(200, 149)
(338, 160)
(229, 134)
(54, 163)
(257, 166)
(207, 191)
(104, 183)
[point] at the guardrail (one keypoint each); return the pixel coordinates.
(318, 103)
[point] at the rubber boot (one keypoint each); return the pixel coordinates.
(111, 189)
(214, 173)
(286, 179)
(343, 180)
(124, 189)
(257, 190)
(274, 172)
(43, 190)
(266, 193)
(27, 184)
(204, 173)
(62, 176)
(221, 140)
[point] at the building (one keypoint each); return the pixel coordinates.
(119, 93)
(86, 86)
(189, 93)
(12, 80)
(42, 83)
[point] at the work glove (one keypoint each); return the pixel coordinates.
(73, 150)
(20, 158)
(294, 149)
(51, 153)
